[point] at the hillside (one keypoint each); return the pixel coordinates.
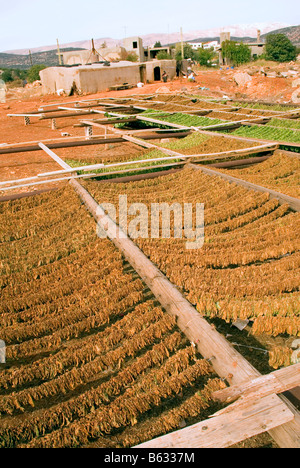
(292, 32)
(48, 58)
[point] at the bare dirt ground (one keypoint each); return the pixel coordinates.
(216, 83)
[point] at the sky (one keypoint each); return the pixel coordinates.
(34, 23)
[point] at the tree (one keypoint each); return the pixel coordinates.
(163, 55)
(280, 48)
(204, 56)
(132, 57)
(7, 76)
(34, 73)
(236, 53)
(157, 44)
(188, 52)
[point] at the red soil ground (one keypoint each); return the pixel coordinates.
(13, 130)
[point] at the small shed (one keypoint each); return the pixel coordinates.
(100, 76)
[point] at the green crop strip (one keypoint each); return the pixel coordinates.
(269, 133)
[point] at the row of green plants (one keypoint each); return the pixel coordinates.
(259, 105)
(183, 119)
(286, 123)
(269, 133)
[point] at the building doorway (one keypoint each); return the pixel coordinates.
(157, 74)
(143, 73)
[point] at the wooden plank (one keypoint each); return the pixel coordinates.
(18, 196)
(55, 104)
(277, 382)
(48, 181)
(54, 156)
(282, 198)
(240, 162)
(145, 176)
(108, 121)
(64, 115)
(229, 429)
(49, 140)
(151, 146)
(242, 152)
(223, 126)
(161, 122)
(24, 115)
(288, 435)
(96, 140)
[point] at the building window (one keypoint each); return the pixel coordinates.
(135, 45)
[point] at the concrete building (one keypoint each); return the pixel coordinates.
(135, 44)
(99, 77)
(211, 45)
(150, 53)
(257, 48)
(224, 36)
(85, 57)
(195, 45)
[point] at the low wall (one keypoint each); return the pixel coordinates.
(94, 79)
(55, 78)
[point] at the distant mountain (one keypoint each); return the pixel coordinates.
(48, 58)
(239, 30)
(292, 32)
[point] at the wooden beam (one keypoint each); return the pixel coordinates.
(54, 156)
(64, 115)
(18, 196)
(233, 163)
(107, 121)
(97, 140)
(161, 122)
(48, 181)
(123, 179)
(145, 144)
(226, 430)
(278, 381)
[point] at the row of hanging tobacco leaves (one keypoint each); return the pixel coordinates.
(90, 354)
(249, 265)
(280, 172)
